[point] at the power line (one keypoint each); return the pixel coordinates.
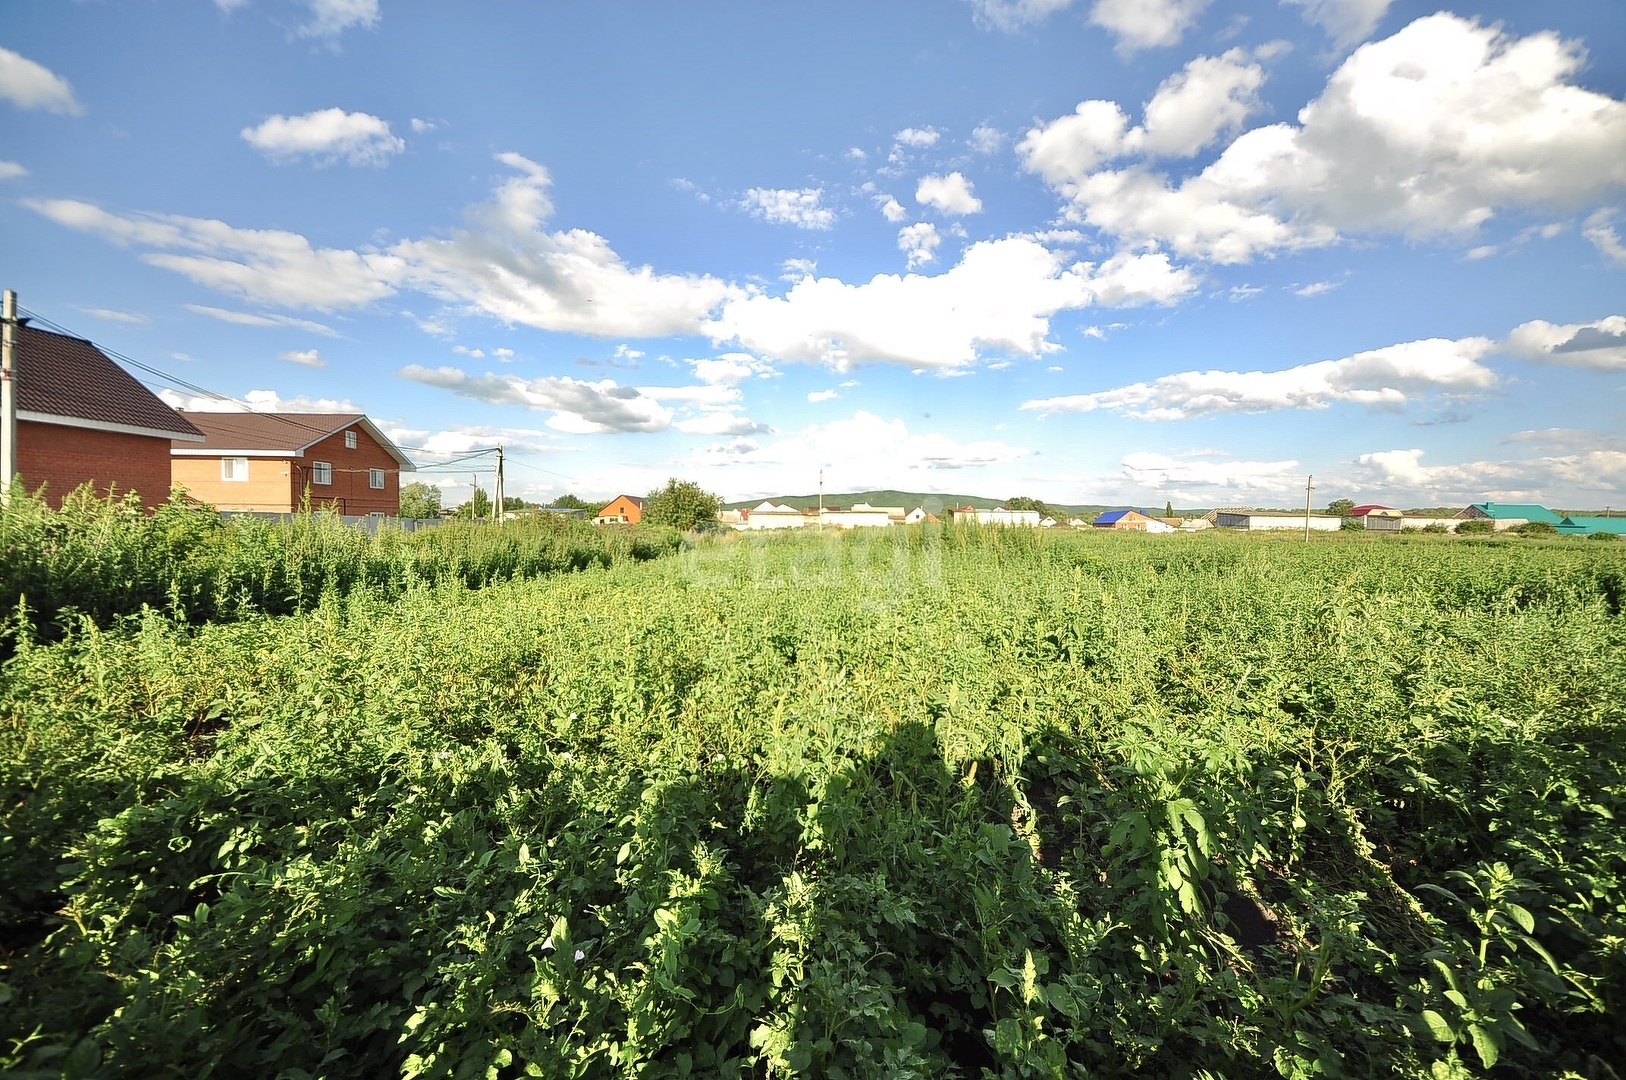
(171, 381)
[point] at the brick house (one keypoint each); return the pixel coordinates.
(269, 462)
(83, 419)
(623, 510)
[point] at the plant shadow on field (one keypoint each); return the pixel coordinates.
(510, 912)
(504, 908)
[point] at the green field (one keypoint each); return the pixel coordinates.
(916, 802)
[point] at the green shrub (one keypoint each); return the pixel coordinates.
(1476, 527)
(104, 558)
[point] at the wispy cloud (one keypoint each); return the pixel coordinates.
(246, 318)
(1391, 377)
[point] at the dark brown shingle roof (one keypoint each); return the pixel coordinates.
(64, 376)
(277, 433)
(261, 432)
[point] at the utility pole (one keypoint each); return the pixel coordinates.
(8, 395)
(474, 493)
(1309, 487)
(497, 508)
(821, 500)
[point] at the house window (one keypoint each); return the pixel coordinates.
(350, 440)
(375, 479)
(234, 468)
(321, 472)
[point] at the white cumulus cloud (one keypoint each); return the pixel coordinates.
(506, 264)
(1145, 24)
(579, 406)
(891, 209)
(999, 297)
(732, 369)
(306, 357)
(919, 138)
(10, 170)
(257, 401)
(1387, 377)
(951, 194)
(802, 208)
(1565, 477)
(29, 85)
(326, 136)
(919, 242)
(1426, 133)
(1192, 108)
(986, 139)
(1599, 345)
(588, 407)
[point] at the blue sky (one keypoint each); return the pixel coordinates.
(1120, 251)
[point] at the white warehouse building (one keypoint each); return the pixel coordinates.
(1259, 520)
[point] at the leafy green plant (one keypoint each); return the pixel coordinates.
(937, 801)
(105, 558)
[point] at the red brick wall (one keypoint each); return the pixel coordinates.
(62, 458)
(349, 488)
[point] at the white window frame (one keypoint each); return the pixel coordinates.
(234, 470)
(322, 473)
(350, 440)
(375, 479)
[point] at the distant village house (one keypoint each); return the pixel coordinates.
(621, 510)
(1132, 521)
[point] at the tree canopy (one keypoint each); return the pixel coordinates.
(1023, 502)
(420, 500)
(477, 507)
(1341, 507)
(682, 504)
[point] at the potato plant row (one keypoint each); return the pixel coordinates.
(106, 558)
(922, 802)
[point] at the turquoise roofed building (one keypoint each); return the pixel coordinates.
(1507, 515)
(1587, 524)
